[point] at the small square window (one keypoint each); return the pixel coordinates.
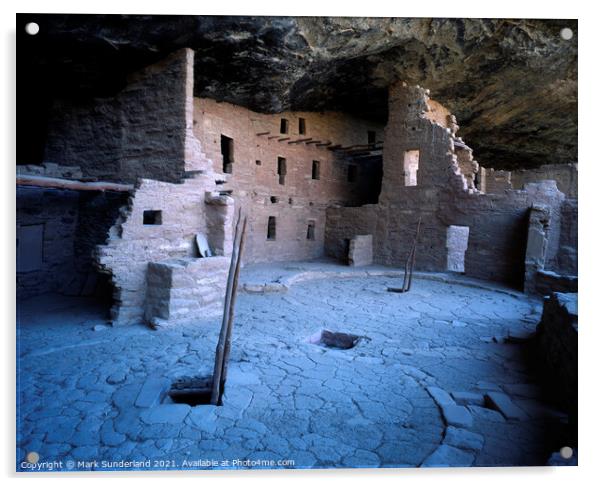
(258, 162)
(152, 217)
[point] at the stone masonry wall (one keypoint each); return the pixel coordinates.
(442, 198)
(255, 183)
(557, 343)
(138, 133)
(56, 211)
(565, 175)
(133, 244)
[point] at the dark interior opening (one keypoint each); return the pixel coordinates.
(281, 170)
(283, 125)
(258, 162)
(311, 230)
(273, 199)
(315, 170)
(227, 145)
(351, 173)
(336, 340)
(301, 126)
(152, 217)
(192, 390)
(272, 228)
(371, 136)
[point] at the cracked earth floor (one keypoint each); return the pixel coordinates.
(287, 399)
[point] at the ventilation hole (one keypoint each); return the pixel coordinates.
(152, 217)
(273, 199)
(337, 340)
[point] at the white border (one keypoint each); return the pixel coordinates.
(589, 216)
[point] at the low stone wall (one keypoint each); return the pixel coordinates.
(360, 250)
(557, 349)
(184, 289)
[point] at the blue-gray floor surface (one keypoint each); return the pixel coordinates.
(439, 379)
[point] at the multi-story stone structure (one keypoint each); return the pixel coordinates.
(313, 185)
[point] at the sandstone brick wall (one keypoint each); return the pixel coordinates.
(180, 290)
(566, 261)
(557, 345)
(255, 183)
(73, 224)
(133, 244)
(143, 131)
(565, 175)
(56, 211)
(442, 197)
(495, 181)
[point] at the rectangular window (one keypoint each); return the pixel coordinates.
(301, 126)
(258, 162)
(272, 228)
(371, 136)
(411, 159)
(315, 170)
(227, 154)
(311, 230)
(351, 173)
(30, 248)
(281, 170)
(152, 217)
(283, 125)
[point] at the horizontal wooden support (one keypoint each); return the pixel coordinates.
(273, 136)
(284, 139)
(324, 144)
(301, 140)
(56, 183)
(261, 134)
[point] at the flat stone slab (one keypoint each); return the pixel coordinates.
(468, 398)
(463, 439)
(166, 414)
(448, 456)
(457, 415)
(441, 397)
(502, 403)
(151, 391)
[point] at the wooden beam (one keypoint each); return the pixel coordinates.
(57, 183)
(273, 136)
(284, 139)
(260, 134)
(300, 140)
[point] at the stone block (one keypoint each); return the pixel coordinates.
(502, 403)
(468, 398)
(457, 415)
(441, 397)
(463, 439)
(448, 456)
(151, 392)
(166, 414)
(360, 250)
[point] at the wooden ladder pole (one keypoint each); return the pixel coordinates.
(231, 311)
(221, 344)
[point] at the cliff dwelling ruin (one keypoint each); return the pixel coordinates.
(126, 203)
